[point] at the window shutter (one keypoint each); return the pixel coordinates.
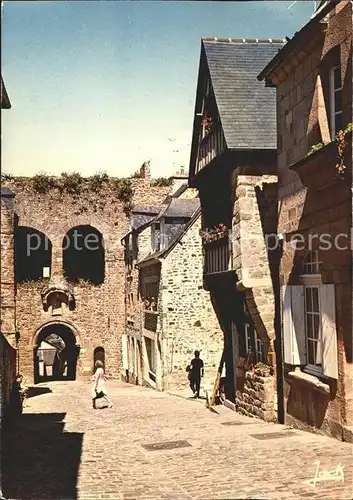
(124, 352)
(329, 335)
(298, 317)
(287, 325)
(293, 325)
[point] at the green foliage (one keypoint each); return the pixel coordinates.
(123, 188)
(136, 175)
(162, 182)
(71, 183)
(97, 181)
(6, 177)
(34, 283)
(348, 129)
(84, 282)
(128, 207)
(124, 193)
(43, 182)
(316, 147)
(320, 145)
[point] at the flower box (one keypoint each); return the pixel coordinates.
(320, 169)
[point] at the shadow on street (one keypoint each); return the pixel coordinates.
(40, 460)
(37, 391)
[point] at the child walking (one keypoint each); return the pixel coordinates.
(99, 389)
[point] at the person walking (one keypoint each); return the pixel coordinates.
(99, 389)
(196, 371)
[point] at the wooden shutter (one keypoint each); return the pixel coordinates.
(328, 330)
(298, 321)
(124, 349)
(293, 325)
(287, 325)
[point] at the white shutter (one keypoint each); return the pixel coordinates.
(124, 350)
(328, 326)
(293, 325)
(287, 325)
(298, 317)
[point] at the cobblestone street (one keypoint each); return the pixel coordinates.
(63, 449)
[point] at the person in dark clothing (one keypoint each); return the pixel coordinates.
(195, 373)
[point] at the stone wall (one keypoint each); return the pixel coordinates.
(254, 220)
(189, 321)
(258, 398)
(7, 374)
(315, 202)
(98, 316)
(8, 325)
(299, 106)
(184, 320)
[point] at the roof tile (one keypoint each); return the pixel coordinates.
(247, 108)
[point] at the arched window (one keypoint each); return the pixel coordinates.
(83, 255)
(33, 251)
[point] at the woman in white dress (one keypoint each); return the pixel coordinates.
(99, 389)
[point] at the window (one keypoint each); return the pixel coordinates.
(155, 237)
(151, 296)
(33, 253)
(313, 326)
(151, 357)
(311, 263)
(253, 343)
(335, 100)
(309, 325)
(84, 255)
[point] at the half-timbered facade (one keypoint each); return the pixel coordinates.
(233, 165)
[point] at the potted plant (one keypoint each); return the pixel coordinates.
(207, 124)
(262, 370)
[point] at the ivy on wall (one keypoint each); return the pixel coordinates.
(74, 184)
(162, 182)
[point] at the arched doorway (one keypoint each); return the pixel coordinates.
(56, 351)
(99, 355)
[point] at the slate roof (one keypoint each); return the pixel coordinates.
(142, 214)
(183, 229)
(246, 107)
(181, 207)
(5, 191)
(5, 101)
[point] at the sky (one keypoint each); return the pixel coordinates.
(106, 85)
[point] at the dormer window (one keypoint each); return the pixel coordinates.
(335, 100)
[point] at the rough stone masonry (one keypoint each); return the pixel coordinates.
(91, 314)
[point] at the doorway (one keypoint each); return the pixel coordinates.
(55, 353)
(99, 355)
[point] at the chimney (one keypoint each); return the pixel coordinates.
(178, 179)
(145, 170)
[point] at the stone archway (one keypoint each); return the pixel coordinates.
(56, 350)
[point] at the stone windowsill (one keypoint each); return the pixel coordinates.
(310, 380)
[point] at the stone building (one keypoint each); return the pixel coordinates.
(233, 166)
(168, 313)
(8, 327)
(313, 78)
(67, 270)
